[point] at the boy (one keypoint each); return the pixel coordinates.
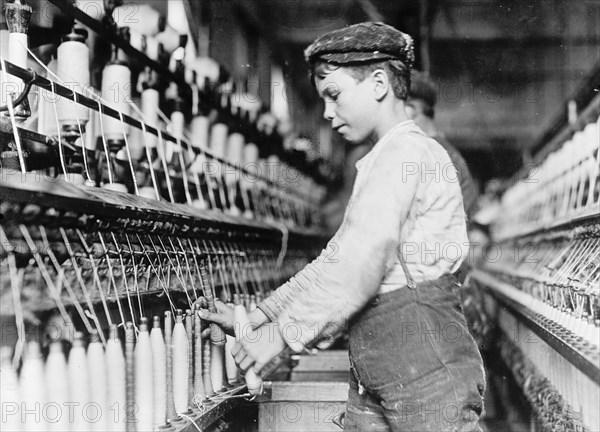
(414, 365)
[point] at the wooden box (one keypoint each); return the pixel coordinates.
(301, 406)
(325, 366)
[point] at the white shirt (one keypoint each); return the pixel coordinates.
(407, 198)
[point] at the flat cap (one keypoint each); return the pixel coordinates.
(363, 42)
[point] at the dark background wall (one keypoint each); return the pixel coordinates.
(505, 69)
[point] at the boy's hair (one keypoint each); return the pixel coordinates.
(398, 73)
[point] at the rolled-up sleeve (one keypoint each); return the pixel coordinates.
(276, 303)
(336, 285)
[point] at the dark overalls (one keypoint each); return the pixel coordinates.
(414, 364)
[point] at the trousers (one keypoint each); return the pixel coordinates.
(414, 364)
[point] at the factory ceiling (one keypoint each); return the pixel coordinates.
(505, 69)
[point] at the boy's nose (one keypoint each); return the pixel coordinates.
(328, 112)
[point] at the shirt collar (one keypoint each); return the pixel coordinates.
(400, 127)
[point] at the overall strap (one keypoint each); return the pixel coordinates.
(409, 278)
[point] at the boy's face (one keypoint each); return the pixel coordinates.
(350, 105)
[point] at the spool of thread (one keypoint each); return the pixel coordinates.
(199, 132)
(73, 58)
(159, 374)
(144, 386)
(235, 155)
(169, 38)
(116, 91)
(3, 37)
(57, 383)
(178, 128)
(206, 69)
(96, 361)
(242, 324)
(150, 101)
(10, 399)
(18, 16)
(591, 138)
(199, 204)
(197, 167)
(273, 161)
(73, 178)
(147, 192)
(217, 335)
(217, 364)
(3, 53)
(200, 128)
(117, 187)
(235, 148)
(139, 17)
(131, 416)
(218, 139)
(236, 299)
(122, 156)
(79, 382)
(263, 168)
(115, 365)
(180, 365)
(234, 210)
(153, 48)
(199, 390)
(189, 330)
(250, 153)
(230, 366)
(93, 126)
(136, 150)
(206, 367)
(137, 40)
(171, 412)
(32, 385)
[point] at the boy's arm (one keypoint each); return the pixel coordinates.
(326, 293)
(276, 303)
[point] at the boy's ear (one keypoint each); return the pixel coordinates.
(381, 83)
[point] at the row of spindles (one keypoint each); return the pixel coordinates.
(550, 409)
(564, 186)
(558, 278)
(580, 393)
(153, 377)
(111, 154)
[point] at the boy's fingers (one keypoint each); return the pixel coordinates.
(236, 349)
(222, 307)
(245, 364)
(258, 367)
(210, 316)
(239, 356)
(200, 302)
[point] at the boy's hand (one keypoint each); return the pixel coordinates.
(223, 317)
(258, 347)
